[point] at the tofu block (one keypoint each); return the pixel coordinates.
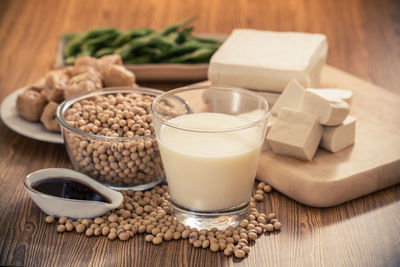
(88, 61)
(266, 60)
(331, 110)
(291, 97)
(30, 105)
(111, 59)
(83, 83)
(117, 75)
(345, 95)
(55, 84)
(38, 85)
(295, 133)
(336, 138)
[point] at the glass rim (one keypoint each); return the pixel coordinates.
(111, 90)
(218, 87)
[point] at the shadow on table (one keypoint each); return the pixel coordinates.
(373, 206)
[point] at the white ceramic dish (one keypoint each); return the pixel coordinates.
(71, 208)
(34, 130)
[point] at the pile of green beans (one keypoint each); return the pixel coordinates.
(173, 44)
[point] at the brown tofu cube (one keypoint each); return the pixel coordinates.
(55, 84)
(82, 69)
(117, 75)
(38, 85)
(87, 62)
(111, 60)
(30, 105)
(48, 117)
(85, 82)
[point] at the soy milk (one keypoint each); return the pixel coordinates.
(210, 170)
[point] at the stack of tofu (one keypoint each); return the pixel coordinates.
(265, 61)
(279, 66)
(303, 119)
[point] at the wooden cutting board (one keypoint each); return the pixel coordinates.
(371, 164)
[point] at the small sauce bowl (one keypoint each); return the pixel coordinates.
(72, 208)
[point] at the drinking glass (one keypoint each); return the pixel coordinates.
(210, 139)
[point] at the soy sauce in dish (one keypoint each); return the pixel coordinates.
(67, 188)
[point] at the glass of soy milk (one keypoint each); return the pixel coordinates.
(210, 139)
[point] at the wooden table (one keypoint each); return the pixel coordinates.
(364, 37)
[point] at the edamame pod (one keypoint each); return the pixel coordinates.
(172, 28)
(139, 60)
(199, 54)
(127, 35)
(98, 32)
(104, 51)
(73, 46)
(91, 45)
(173, 44)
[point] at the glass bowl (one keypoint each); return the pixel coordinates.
(120, 163)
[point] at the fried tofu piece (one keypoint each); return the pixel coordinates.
(38, 85)
(84, 82)
(55, 84)
(48, 117)
(87, 61)
(116, 75)
(108, 61)
(111, 60)
(82, 69)
(30, 105)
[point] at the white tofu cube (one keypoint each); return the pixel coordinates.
(331, 110)
(336, 138)
(295, 133)
(345, 95)
(266, 60)
(291, 97)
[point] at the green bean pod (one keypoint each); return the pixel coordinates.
(174, 27)
(104, 51)
(127, 35)
(197, 55)
(139, 60)
(73, 46)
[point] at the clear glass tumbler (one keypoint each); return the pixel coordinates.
(210, 139)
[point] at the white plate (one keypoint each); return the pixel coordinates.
(34, 130)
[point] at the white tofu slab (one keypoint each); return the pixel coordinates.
(331, 110)
(336, 138)
(295, 133)
(266, 60)
(291, 97)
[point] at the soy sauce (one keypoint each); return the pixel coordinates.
(67, 188)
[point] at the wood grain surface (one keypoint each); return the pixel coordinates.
(364, 38)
